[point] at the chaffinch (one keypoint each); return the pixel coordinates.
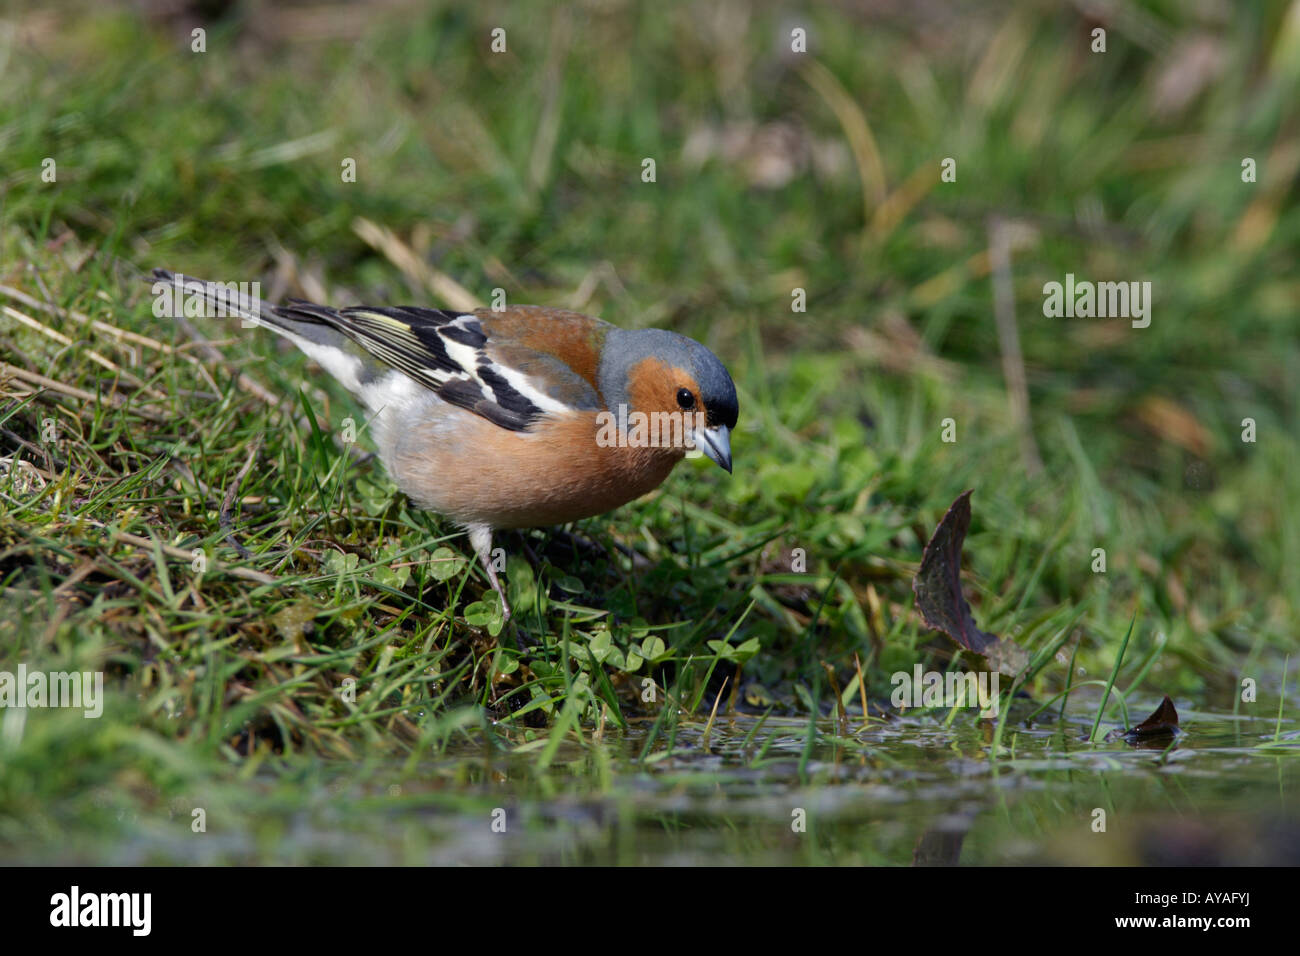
(519, 418)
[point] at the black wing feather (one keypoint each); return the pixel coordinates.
(415, 340)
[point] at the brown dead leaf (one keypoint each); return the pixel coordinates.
(1163, 722)
(939, 597)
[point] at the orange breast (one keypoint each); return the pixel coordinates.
(463, 466)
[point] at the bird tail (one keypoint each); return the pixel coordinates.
(178, 296)
(303, 324)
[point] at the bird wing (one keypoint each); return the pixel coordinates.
(512, 367)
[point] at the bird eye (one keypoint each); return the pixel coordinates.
(685, 399)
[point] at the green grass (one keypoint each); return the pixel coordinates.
(522, 171)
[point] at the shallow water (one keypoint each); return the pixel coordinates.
(904, 792)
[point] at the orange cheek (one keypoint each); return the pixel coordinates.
(653, 385)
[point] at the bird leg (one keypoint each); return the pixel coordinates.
(480, 536)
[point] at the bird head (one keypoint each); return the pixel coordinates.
(654, 372)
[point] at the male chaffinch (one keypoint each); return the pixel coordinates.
(518, 418)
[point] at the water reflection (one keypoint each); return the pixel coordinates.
(909, 791)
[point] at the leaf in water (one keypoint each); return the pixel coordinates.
(939, 597)
(1162, 723)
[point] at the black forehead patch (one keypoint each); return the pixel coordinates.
(717, 390)
(717, 414)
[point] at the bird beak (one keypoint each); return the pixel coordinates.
(716, 443)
